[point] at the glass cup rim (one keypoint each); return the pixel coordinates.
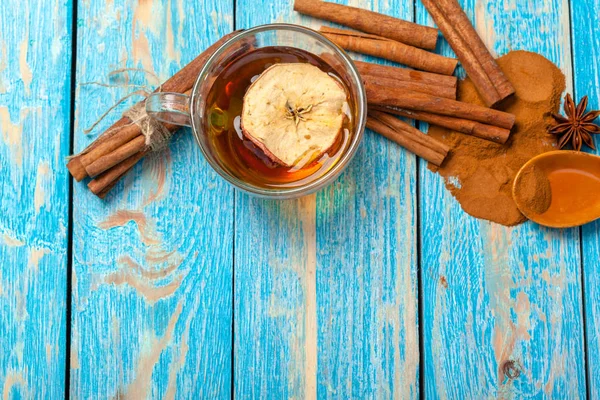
(327, 177)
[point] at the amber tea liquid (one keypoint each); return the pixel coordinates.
(239, 155)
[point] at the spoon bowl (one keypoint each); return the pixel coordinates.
(559, 189)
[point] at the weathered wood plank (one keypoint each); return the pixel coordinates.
(35, 59)
(325, 286)
(493, 295)
(153, 262)
(586, 45)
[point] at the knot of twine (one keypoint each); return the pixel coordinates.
(157, 136)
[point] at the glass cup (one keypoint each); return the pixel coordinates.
(180, 109)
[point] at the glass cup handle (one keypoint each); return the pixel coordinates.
(171, 108)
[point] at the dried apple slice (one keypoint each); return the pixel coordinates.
(294, 113)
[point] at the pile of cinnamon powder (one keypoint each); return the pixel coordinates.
(480, 173)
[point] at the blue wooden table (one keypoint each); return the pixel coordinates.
(177, 286)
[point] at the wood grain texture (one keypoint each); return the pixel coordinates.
(153, 261)
(494, 295)
(587, 83)
(35, 58)
(325, 286)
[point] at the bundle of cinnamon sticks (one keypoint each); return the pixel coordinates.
(429, 98)
(122, 145)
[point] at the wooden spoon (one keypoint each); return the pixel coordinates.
(559, 189)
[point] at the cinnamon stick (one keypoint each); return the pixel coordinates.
(107, 189)
(391, 50)
(123, 131)
(113, 158)
(414, 101)
(76, 168)
(474, 56)
(405, 74)
(408, 137)
(460, 21)
(483, 131)
(422, 138)
(103, 183)
(368, 21)
(441, 91)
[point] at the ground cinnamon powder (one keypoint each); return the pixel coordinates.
(480, 173)
(534, 189)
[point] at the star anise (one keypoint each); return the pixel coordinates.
(577, 126)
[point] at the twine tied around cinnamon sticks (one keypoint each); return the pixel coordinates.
(135, 135)
(153, 137)
(157, 136)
